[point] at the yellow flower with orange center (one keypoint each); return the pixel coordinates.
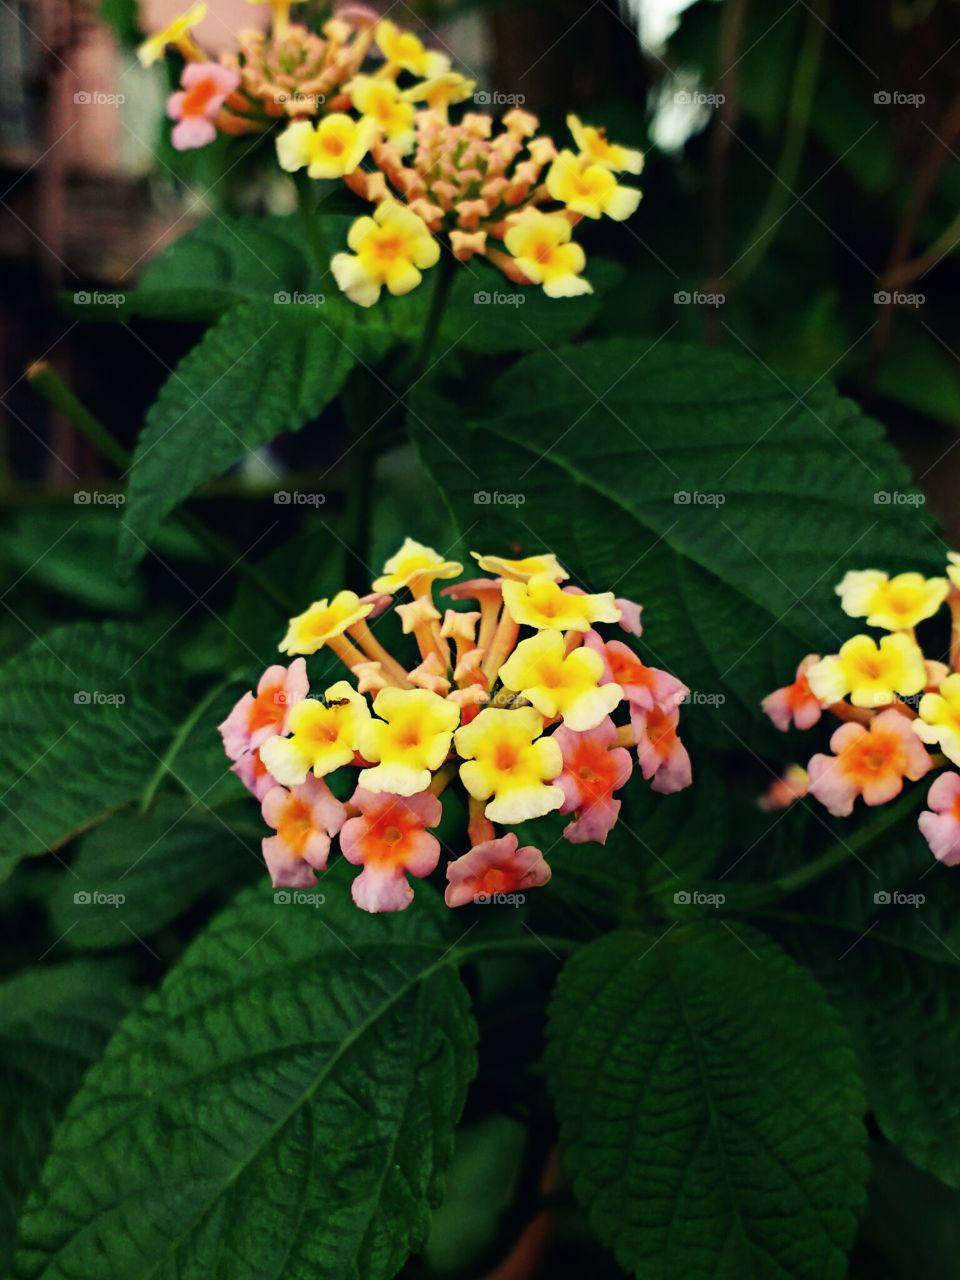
(589, 188)
(540, 603)
(391, 248)
(544, 252)
(592, 143)
(529, 567)
(409, 741)
(894, 604)
(332, 148)
(405, 52)
(322, 622)
(441, 92)
(176, 33)
(415, 566)
(871, 674)
(509, 764)
(939, 723)
(324, 735)
(558, 683)
(380, 100)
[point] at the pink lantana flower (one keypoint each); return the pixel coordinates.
(791, 786)
(663, 758)
(206, 86)
(304, 818)
(795, 703)
(941, 827)
(390, 841)
(643, 687)
(254, 774)
(630, 613)
(494, 867)
(871, 762)
(255, 718)
(593, 768)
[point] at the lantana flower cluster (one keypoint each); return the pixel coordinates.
(369, 103)
(512, 699)
(899, 707)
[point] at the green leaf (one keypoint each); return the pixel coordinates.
(283, 1106)
(726, 500)
(885, 941)
(262, 369)
(709, 1106)
(54, 1022)
(86, 714)
(136, 873)
(70, 550)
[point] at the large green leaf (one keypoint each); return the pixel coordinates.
(282, 1107)
(54, 1022)
(697, 481)
(262, 369)
(709, 1105)
(884, 939)
(136, 873)
(86, 714)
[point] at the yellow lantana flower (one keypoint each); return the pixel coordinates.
(281, 14)
(405, 52)
(442, 91)
(323, 621)
(506, 759)
(330, 149)
(153, 48)
(953, 568)
(872, 675)
(543, 250)
(409, 742)
(542, 604)
(324, 737)
(592, 143)
(391, 249)
(939, 723)
(381, 100)
(590, 188)
(558, 683)
(415, 565)
(547, 565)
(895, 604)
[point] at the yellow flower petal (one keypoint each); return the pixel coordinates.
(545, 565)
(541, 603)
(939, 722)
(893, 604)
(152, 49)
(323, 621)
(508, 764)
(871, 674)
(324, 736)
(558, 683)
(409, 741)
(414, 565)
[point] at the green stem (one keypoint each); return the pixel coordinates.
(798, 120)
(45, 379)
(179, 738)
(443, 282)
(313, 229)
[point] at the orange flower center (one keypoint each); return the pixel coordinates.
(296, 825)
(872, 756)
(198, 97)
(660, 732)
(267, 709)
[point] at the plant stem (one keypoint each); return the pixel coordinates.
(761, 236)
(45, 379)
(445, 272)
(179, 738)
(307, 201)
